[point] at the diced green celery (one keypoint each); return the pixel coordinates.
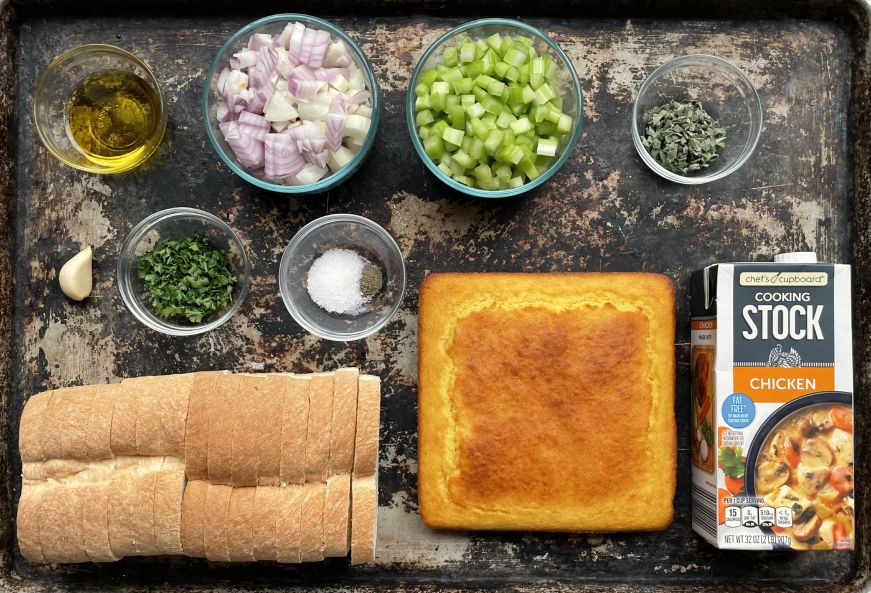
(539, 113)
(467, 100)
(505, 119)
(429, 76)
(467, 144)
(510, 153)
(524, 74)
(424, 132)
(456, 168)
(421, 90)
(518, 110)
(484, 80)
(503, 172)
(462, 179)
(467, 51)
(494, 42)
(515, 57)
(452, 101)
(457, 117)
(553, 115)
(507, 43)
(438, 95)
(550, 71)
(515, 182)
(462, 85)
(509, 136)
(492, 184)
(521, 125)
(545, 128)
(453, 135)
(422, 103)
(481, 44)
(557, 102)
(501, 68)
(528, 167)
(492, 105)
(547, 146)
(476, 149)
(474, 69)
(479, 93)
(543, 94)
(528, 94)
(513, 74)
(524, 41)
(525, 142)
(482, 130)
(462, 158)
(542, 162)
(449, 55)
(565, 123)
(515, 96)
(446, 159)
(424, 118)
(439, 127)
(445, 169)
(476, 110)
(451, 74)
(494, 141)
(496, 88)
(434, 147)
(488, 64)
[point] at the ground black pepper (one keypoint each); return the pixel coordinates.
(370, 281)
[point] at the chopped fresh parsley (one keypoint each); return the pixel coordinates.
(731, 462)
(187, 278)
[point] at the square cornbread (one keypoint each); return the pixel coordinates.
(546, 401)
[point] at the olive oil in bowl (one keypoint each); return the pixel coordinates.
(112, 117)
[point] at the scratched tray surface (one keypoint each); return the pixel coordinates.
(603, 211)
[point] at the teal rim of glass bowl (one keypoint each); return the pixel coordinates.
(331, 180)
(412, 127)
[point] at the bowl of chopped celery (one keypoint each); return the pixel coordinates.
(291, 104)
(494, 108)
(183, 272)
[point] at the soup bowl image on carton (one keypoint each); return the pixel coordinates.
(772, 405)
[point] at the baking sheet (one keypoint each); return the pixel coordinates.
(803, 190)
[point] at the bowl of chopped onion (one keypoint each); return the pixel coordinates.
(494, 108)
(291, 104)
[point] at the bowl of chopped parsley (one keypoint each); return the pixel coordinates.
(183, 272)
(696, 119)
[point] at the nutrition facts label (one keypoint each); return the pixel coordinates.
(752, 516)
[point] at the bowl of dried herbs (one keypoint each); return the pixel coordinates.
(696, 119)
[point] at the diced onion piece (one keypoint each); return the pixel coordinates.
(248, 150)
(339, 158)
(246, 57)
(337, 51)
(281, 158)
(254, 125)
(259, 40)
(278, 108)
(357, 127)
(304, 89)
(310, 174)
(294, 42)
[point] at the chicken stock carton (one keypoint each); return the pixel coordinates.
(772, 405)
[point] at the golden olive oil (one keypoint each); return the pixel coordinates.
(112, 117)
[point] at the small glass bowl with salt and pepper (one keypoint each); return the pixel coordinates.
(342, 277)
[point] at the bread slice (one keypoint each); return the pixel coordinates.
(30, 431)
(168, 496)
(60, 525)
(269, 421)
(163, 407)
(344, 421)
(197, 425)
(240, 525)
(312, 524)
(368, 426)
(99, 442)
(124, 420)
(142, 509)
(120, 522)
(51, 432)
(267, 501)
(95, 521)
(364, 519)
(288, 538)
(337, 516)
(74, 432)
(215, 532)
(223, 413)
(193, 518)
(320, 417)
(294, 427)
(243, 456)
(27, 523)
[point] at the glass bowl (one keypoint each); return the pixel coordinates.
(57, 83)
(724, 92)
(569, 88)
(274, 25)
(342, 231)
(173, 224)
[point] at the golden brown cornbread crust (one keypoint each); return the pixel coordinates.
(546, 401)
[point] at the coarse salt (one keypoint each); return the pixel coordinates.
(333, 281)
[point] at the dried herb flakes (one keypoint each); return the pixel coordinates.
(682, 136)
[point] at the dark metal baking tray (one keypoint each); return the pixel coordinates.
(806, 188)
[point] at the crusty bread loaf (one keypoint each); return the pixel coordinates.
(99, 442)
(50, 444)
(169, 489)
(320, 415)
(267, 501)
(288, 523)
(240, 525)
(193, 519)
(312, 524)
(368, 425)
(160, 431)
(337, 516)
(27, 523)
(364, 519)
(295, 417)
(269, 422)
(119, 520)
(223, 414)
(215, 524)
(60, 524)
(519, 379)
(244, 443)
(124, 421)
(201, 401)
(142, 510)
(30, 429)
(95, 521)
(74, 432)
(344, 421)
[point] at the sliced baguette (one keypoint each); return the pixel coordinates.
(337, 516)
(288, 541)
(193, 518)
(240, 525)
(27, 523)
(364, 519)
(95, 521)
(197, 425)
(51, 429)
(74, 433)
(244, 455)
(312, 524)
(269, 420)
(344, 421)
(163, 407)
(223, 412)
(294, 426)
(99, 442)
(215, 532)
(368, 426)
(267, 501)
(60, 525)
(32, 426)
(168, 495)
(320, 416)
(119, 507)
(124, 415)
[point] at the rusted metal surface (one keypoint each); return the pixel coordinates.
(805, 189)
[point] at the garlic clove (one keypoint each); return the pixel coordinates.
(76, 277)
